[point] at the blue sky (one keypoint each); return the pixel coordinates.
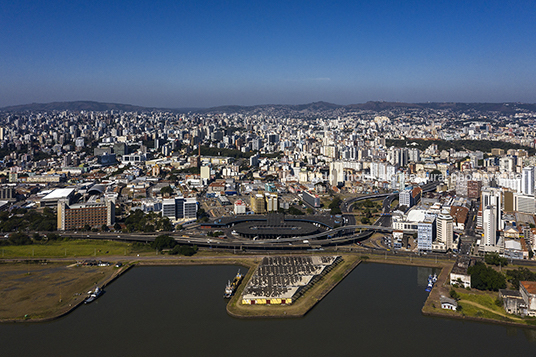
(208, 53)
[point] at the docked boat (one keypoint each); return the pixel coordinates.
(230, 288)
(431, 282)
(429, 286)
(93, 295)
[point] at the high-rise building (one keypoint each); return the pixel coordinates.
(524, 203)
(271, 202)
(489, 224)
(527, 181)
(445, 233)
(77, 216)
(179, 208)
(493, 197)
(258, 205)
(425, 234)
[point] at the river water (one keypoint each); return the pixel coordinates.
(179, 311)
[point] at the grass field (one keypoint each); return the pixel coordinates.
(71, 248)
(35, 291)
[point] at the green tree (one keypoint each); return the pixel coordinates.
(166, 191)
(495, 259)
(184, 250)
(520, 274)
(453, 294)
(486, 278)
(19, 238)
(163, 242)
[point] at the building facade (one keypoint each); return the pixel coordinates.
(77, 216)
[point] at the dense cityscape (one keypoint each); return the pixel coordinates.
(410, 180)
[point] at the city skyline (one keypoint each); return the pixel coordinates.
(163, 54)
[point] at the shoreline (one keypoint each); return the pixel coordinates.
(64, 312)
(477, 319)
(303, 305)
(306, 302)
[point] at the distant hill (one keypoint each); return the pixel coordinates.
(75, 107)
(316, 107)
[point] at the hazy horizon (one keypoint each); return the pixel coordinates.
(199, 55)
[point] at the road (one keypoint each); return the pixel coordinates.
(338, 236)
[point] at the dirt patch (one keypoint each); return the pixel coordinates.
(41, 291)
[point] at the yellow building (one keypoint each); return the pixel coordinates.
(258, 204)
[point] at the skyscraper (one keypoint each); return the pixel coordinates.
(445, 232)
(493, 197)
(489, 226)
(527, 181)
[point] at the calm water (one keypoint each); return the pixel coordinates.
(179, 311)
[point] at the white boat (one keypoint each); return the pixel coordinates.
(93, 295)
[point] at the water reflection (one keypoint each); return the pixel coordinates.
(160, 311)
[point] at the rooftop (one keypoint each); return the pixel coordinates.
(59, 193)
(530, 286)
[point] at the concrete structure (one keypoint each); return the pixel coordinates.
(133, 159)
(311, 199)
(524, 203)
(179, 208)
(448, 303)
(258, 205)
(271, 202)
(489, 226)
(528, 293)
(280, 280)
(239, 207)
(7, 193)
(205, 172)
(445, 233)
(492, 197)
(459, 275)
(77, 216)
(60, 194)
(404, 198)
(527, 181)
(513, 302)
(426, 234)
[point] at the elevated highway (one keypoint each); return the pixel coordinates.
(345, 234)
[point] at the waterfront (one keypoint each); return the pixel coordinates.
(180, 311)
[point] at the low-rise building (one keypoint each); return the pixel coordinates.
(528, 293)
(239, 207)
(459, 275)
(513, 302)
(448, 303)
